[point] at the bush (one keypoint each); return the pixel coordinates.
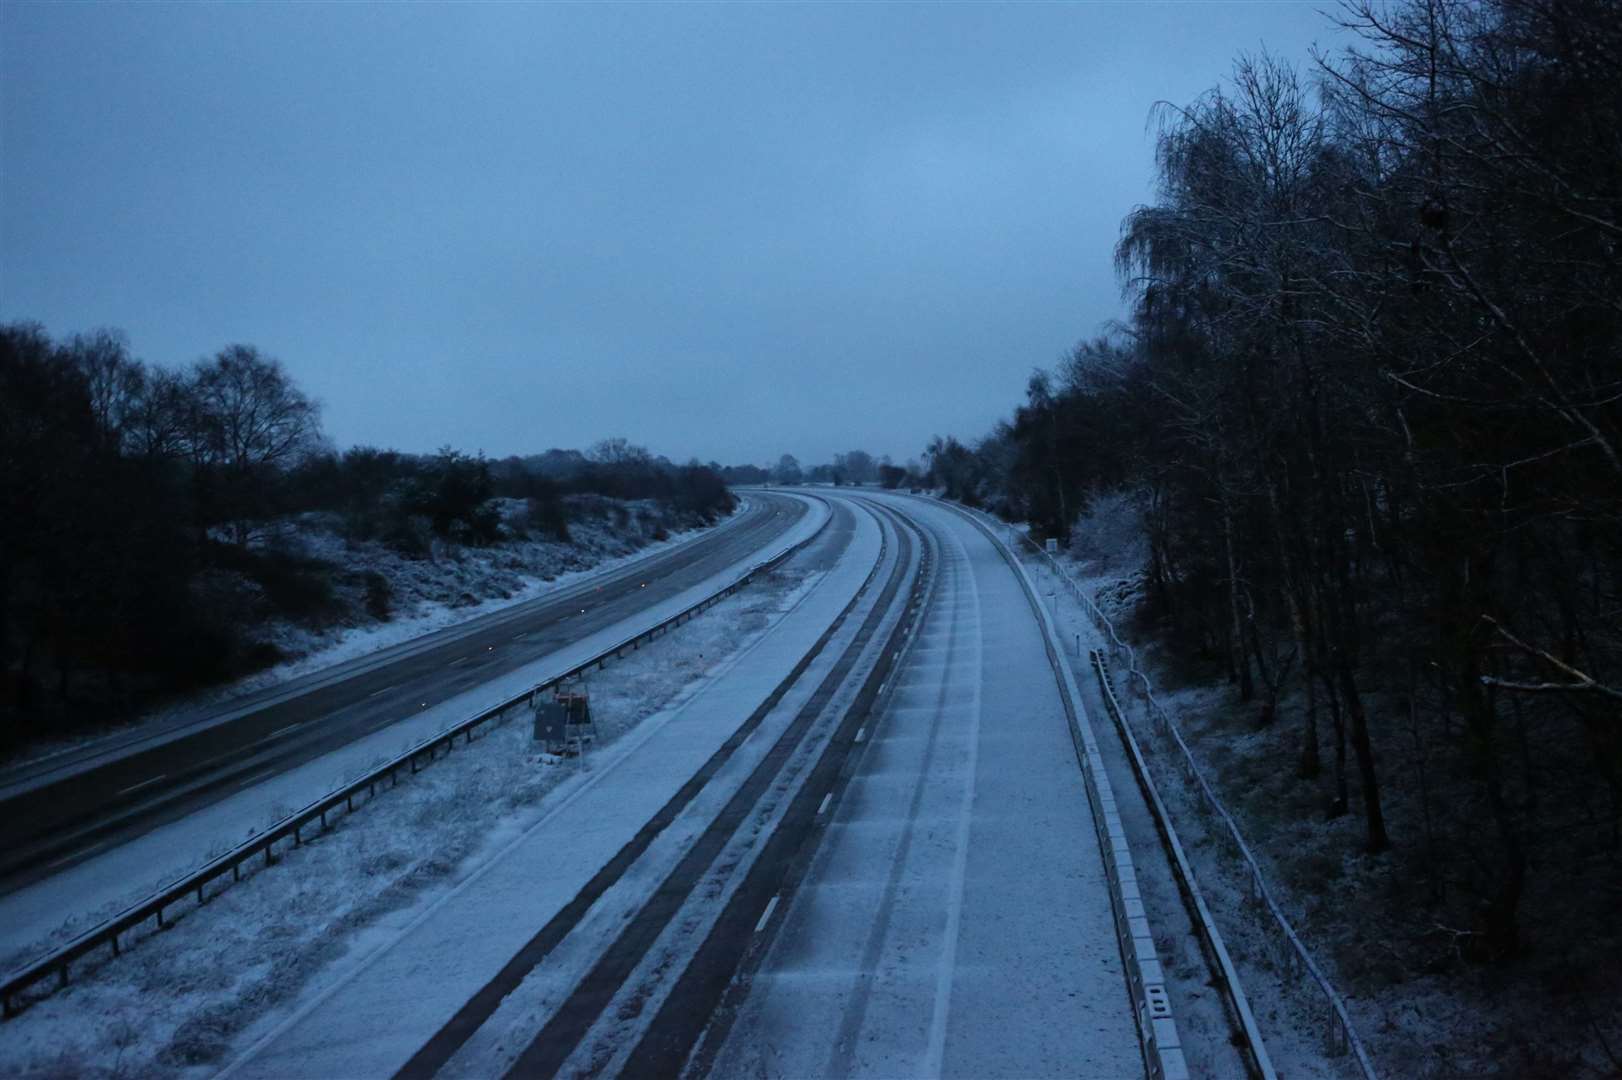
(379, 595)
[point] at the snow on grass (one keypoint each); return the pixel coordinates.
(1420, 1010)
(454, 585)
(175, 1002)
(1290, 1019)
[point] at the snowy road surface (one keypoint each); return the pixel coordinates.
(862, 846)
(108, 872)
(416, 979)
(955, 921)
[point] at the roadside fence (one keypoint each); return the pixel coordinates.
(1340, 1036)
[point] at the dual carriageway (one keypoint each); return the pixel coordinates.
(866, 848)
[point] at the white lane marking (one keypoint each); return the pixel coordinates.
(254, 779)
(459, 660)
(766, 916)
(385, 690)
(81, 853)
(861, 733)
(946, 973)
(282, 731)
(826, 799)
(142, 784)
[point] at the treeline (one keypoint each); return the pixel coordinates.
(1370, 399)
(128, 489)
(851, 467)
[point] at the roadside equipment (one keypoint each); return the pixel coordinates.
(563, 722)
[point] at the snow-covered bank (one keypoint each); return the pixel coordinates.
(454, 584)
(50, 912)
(175, 1002)
(1421, 1008)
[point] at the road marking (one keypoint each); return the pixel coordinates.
(826, 799)
(459, 660)
(385, 690)
(766, 915)
(282, 731)
(142, 784)
(861, 733)
(81, 853)
(255, 778)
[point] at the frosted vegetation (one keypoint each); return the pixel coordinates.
(172, 530)
(176, 1002)
(1367, 408)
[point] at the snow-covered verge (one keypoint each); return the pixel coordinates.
(176, 1002)
(381, 597)
(1421, 1009)
(455, 583)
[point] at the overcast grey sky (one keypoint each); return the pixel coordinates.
(723, 231)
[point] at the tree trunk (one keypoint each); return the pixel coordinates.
(1377, 841)
(1310, 765)
(1339, 802)
(1238, 658)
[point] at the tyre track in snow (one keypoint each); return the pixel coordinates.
(70, 810)
(444, 1043)
(571, 1040)
(870, 971)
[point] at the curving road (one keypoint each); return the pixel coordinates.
(58, 810)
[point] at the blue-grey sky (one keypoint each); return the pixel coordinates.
(723, 231)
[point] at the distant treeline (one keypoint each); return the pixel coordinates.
(1370, 400)
(852, 467)
(124, 486)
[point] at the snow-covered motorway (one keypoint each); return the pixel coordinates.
(956, 919)
(98, 827)
(864, 849)
(859, 845)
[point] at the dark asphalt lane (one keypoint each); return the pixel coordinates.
(102, 802)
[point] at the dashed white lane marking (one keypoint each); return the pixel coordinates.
(385, 690)
(861, 733)
(766, 916)
(459, 660)
(138, 787)
(826, 799)
(946, 973)
(282, 730)
(82, 852)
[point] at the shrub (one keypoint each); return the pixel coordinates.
(379, 595)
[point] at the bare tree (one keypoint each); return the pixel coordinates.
(249, 423)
